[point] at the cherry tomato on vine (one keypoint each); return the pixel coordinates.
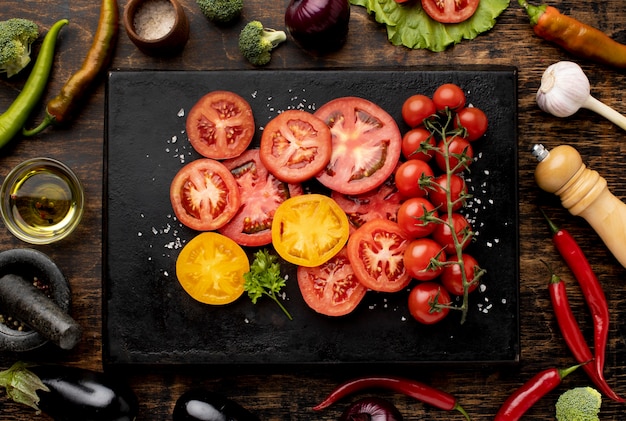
(419, 143)
(459, 150)
(413, 178)
(443, 232)
(424, 299)
(420, 259)
(412, 217)
(450, 11)
(452, 278)
(474, 121)
(416, 109)
(449, 96)
(458, 192)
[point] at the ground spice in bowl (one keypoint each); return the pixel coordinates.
(156, 27)
(154, 19)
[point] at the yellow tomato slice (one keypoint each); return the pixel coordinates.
(210, 268)
(309, 229)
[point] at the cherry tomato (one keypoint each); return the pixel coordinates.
(460, 154)
(204, 195)
(416, 109)
(309, 229)
(210, 268)
(295, 146)
(420, 259)
(419, 143)
(411, 217)
(450, 11)
(449, 96)
(443, 232)
(423, 302)
(452, 278)
(332, 288)
(366, 145)
(413, 178)
(474, 121)
(382, 202)
(220, 125)
(261, 194)
(376, 253)
(458, 192)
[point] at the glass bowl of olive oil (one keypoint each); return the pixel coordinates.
(41, 201)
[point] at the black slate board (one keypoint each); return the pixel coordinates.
(150, 320)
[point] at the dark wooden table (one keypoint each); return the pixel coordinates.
(289, 395)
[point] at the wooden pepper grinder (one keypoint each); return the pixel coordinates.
(583, 192)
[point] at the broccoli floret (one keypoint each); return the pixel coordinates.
(221, 11)
(257, 42)
(16, 37)
(579, 404)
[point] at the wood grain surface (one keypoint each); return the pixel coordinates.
(289, 393)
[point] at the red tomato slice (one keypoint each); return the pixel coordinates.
(295, 146)
(382, 202)
(204, 195)
(263, 193)
(376, 253)
(366, 145)
(450, 11)
(331, 289)
(220, 125)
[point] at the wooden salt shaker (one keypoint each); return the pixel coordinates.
(584, 193)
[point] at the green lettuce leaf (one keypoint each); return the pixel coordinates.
(410, 26)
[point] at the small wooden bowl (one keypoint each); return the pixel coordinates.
(156, 27)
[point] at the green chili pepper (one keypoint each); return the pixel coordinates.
(13, 119)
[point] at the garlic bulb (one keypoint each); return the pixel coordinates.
(564, 89)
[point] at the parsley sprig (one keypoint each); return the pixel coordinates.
(264, 278)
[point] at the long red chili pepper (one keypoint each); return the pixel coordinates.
(60, 108)
(590, 286)
(417, 390)
(516, 405)
(573, 335)
(574, 36)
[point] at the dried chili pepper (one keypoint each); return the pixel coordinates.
(590, 286)
(574, 36)
(516, 405)
(59, 109)
(412, 388)
(574, 337)
(12, 120)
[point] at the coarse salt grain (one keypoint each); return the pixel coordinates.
(154, 19)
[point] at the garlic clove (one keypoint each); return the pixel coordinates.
(564, 89)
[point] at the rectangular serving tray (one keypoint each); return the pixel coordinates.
(149, 319)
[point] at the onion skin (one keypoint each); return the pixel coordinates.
(371, 409)
(318, 25)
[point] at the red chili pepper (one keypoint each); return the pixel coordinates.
(591, 288)
(534, 389)
(574, 36)
(573, 335)
(417, 390)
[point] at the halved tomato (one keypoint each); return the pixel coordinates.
(366, 145)
(204, 195)
(450, 11)
(376, 253)
(332, 288)
(295, 146)
(210, 268)
(220, 125)
(310, 229)
(263, 193)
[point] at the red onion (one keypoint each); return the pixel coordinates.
(320, 25)
(371, 409)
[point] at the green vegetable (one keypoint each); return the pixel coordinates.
(264, 278)
(221, 11)
(257, 42)
(16, 37)
(579, 404)
(410, 26)
(13, 119)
